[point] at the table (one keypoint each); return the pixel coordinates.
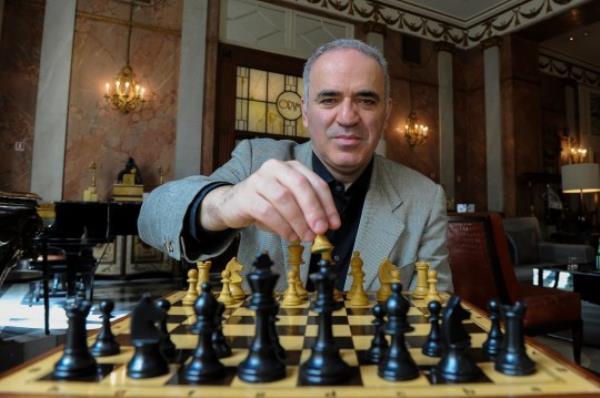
(582, 278)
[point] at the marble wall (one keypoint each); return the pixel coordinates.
(469, 128)
(20, 47)
(413, 87)
(106, 136)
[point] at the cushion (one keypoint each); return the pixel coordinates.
(526, 242)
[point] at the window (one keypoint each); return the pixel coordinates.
(268, 103)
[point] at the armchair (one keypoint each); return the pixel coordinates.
(528, 249)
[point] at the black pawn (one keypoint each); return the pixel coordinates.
(76, 362)
(262, 364)
(513, 359)
(218, 338)
(325, 366)
(167, 347)
(456, 365)
(397, 364)
(148, 360)
(433, 343)
(205, 365)
(379, 344)
(105, 341)
(493, 343)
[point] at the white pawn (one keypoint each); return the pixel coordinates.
(192, 294)
(359, 297)
(356, 264)
(432, 294)
(291, 298)
(225, 296)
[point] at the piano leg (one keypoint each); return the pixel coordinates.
(45, 283)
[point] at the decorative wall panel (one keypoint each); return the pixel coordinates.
(263, 26)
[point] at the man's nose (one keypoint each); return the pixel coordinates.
(347, 115)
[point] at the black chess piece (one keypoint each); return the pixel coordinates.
(433, 343)
(148, 360)
(76, 361)
(513, 359)
(167, 347)
(105, 344)
(262, 364)
(397, 364)
(325, 366)
(205, 365)
(274, 336)
(493, 343)
(379, 344)
(218, 338)
(456, 365)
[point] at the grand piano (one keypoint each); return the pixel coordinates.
(77, 228)
(19, 225)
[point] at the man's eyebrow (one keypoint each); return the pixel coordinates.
(368, 94)
(328, 93)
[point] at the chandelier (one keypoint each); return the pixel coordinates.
(414, 132)
(125, 94)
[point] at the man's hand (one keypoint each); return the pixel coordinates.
(282, 197)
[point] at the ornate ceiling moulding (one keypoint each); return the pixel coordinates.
(461, 35)
(562, 68)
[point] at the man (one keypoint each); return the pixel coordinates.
(272, 192)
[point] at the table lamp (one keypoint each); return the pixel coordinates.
(580, 178)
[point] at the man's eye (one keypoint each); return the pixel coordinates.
(327, 101)
(367, 101)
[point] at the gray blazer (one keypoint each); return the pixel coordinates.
(403, 218)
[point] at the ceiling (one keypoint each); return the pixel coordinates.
(580, 44)
(459, 12)
(573, 36)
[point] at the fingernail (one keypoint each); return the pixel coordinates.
(320, 227)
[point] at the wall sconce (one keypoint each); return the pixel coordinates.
(125, 94)
(414, 132)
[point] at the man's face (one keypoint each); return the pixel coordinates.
(347, 111)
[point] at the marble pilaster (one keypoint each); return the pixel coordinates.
(493, 127)
(446, 124)
(53, 99)
(188, 140)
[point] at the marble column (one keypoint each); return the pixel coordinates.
(376, 37)
(188, 139)
(53, 100)
(493, 125)
(446, 117)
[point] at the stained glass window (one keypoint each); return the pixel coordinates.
(268, 103)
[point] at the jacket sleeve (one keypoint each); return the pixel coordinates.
(162, 217)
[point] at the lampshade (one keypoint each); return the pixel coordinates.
(580, 178)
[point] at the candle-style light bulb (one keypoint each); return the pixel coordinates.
(142, 93)
(107, 89)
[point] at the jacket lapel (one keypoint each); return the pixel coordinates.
(378, 231)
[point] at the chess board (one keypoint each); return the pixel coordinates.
(297, 328)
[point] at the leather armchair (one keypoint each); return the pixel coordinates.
(528, 249)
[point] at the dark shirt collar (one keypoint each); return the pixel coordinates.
(360, 185)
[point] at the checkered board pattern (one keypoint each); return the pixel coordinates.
(297, 328)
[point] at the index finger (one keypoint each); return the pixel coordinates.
(323, 193)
